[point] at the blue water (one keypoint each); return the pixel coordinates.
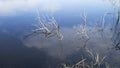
(15, 54)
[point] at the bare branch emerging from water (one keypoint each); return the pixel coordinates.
(47, 28)
(81, 29)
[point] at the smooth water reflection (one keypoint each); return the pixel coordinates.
(39, 52)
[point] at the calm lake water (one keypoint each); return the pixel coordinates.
(17, 19)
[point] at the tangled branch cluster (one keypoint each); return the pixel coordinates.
(48, 28)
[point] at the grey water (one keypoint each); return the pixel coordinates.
(37, 52)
